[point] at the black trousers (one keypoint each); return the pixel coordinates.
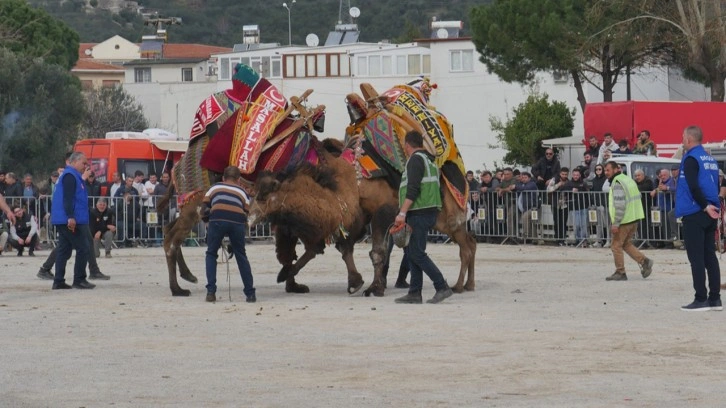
(92, 263)
(699, 236)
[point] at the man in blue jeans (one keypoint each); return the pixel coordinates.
(226, 206)
(69, 214)
(420, 199)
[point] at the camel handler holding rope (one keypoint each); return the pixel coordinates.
(225, 208)
(419, 196)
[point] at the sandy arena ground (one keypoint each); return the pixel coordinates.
(543, 329)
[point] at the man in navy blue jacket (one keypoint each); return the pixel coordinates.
(697, 202)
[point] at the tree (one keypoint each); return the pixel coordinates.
(40, 109)
(694, 30)
(109, 110)
(532, 121)
(516, 39)
(33, 32)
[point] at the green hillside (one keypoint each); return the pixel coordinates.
(219, 22)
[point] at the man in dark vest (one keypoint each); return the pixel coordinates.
(698, 204)
(419, 197)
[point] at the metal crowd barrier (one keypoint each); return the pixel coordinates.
(568, 218)
(138, 223)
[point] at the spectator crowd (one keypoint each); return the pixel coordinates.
(121, 212)
(569, 206)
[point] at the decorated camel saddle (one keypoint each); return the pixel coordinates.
(251, 126)
(379, 123)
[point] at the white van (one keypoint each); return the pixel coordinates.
(650, 165)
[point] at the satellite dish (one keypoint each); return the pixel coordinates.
(88, 51)
(442, 33)
(354, 12)
(312, 40)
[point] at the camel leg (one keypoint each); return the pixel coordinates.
(293, 287)
(285, 249)
(467, 253)
(174, 235)
(380, 252)
(290, 270)
(355, 280)
(184, 271)
(172, 249)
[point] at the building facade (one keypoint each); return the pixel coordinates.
(466, 92)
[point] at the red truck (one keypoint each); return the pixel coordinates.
(664, 120)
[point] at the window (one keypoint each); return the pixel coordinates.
(334, 65)
(187, 75)
(374, 65)
(276, 68)
(414, 64)
(426, 61)
(313, 65)
(224, 69)
(461, 60)
(362, 66)
(110, 83)
(142, 75)
(322, 65)
(86, 84)
(387, 65)
(289, 66)
(310, 65)
(344, 65)
(300, 66)
(401, 65)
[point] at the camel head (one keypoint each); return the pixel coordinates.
(265, 188)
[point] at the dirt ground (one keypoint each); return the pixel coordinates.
(543, 329)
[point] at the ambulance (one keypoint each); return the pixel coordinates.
(153, 150)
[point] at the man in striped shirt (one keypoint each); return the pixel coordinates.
(225, 207)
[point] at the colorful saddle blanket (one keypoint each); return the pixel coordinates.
(407, 108)
(240, 120)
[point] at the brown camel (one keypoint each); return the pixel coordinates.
(290, 146)
(452, 217)
(378, 202)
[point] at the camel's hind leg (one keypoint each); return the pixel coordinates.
(467, 255)
(174, 235)
(355, 280)
(380, 252)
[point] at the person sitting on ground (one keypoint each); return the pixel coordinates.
(103, 228)
(24, 233)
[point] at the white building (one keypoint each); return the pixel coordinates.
(467, 94)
